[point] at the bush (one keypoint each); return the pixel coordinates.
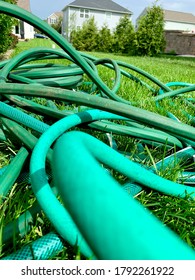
(124, 36)
(150, 38)
(58, 25)
(86, 39)
(6, 24)
(14, 41)
(105, 40)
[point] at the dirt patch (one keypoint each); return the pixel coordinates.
(6, 55)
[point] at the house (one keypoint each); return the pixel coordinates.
(54, 18)
(23, 30)
(175, 20)
(179, 21)
(104, 12)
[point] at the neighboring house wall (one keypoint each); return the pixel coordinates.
(175, 20)
(28, 31)
(188, 27)
(23, 30)
(180, 43)
(179, 21)
(79, 16)
(74, 17)
(54, 18)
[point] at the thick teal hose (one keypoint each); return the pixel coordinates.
(42, 249)
(101, 197)
(110, 158)
(21, 117)
(14, 168)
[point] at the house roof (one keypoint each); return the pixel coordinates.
(179, 16)
(56, 14)
(105, 5)
(59, 14)
(24, 4)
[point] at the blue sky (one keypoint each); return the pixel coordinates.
(43, 8)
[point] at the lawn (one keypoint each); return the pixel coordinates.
(177, 213)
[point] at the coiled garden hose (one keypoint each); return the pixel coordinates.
(176, 84)
(23, 118)
(112, 159)
(42, 249)
(88, 185)
(160, 244)
(14, 168)
(125, 110)
(19, 13)
(142, 132)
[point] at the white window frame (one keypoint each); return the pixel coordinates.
(84, 13)
(53, 20)
(108, 15)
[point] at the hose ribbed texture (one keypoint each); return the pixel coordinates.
(42, 249)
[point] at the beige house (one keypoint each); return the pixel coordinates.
(23, 30)
(54, 18)
(179, 21)
(175, 20)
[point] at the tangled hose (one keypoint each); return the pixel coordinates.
(80, 164)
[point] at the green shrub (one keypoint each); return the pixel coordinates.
(150, 38)
(105, 40)
(14, 41)
(124, 36)
(6, 25)
(58, 25)
(86, 39)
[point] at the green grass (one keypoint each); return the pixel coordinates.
(177, 213)
(34, 43)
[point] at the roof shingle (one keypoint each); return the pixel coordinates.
(106, 5)
(178, 16)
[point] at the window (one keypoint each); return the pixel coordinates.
(108, 15)
(84, 13)
(53, 20)
(17, 29)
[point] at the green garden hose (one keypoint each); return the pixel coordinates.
(19, 13)
(108, 224)
(42, 249)
(14, 168)
(21, 117)
(139, 132)
(125, 110)
(112, 159)
(100, 198)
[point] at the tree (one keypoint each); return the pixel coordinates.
(86, 39)
(124, 36)
(150, 38)
(105, 40)
(6, 25)
(58, 25)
